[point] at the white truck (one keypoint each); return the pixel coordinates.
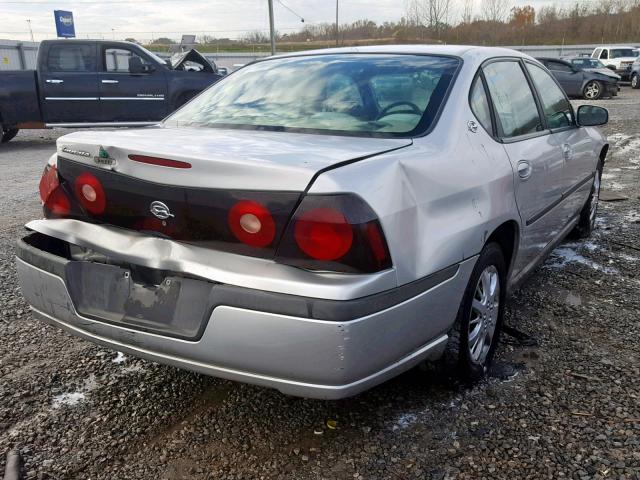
(617, 58)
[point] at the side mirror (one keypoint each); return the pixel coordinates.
(611, 67)
(591, 116)
(135, 65)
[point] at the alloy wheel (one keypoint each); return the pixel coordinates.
(592, 90)
(634, 81)
(484, 314)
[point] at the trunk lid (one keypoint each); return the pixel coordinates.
(233, 176)
(221, 158)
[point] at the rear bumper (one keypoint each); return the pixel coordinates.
(354, 347)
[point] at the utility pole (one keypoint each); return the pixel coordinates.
(30, 31)
(271, 28)
(337, 28)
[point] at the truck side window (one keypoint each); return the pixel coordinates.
(117, 60)
(605, 54)
(71, 58)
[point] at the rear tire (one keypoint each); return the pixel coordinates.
(635, 81)
(476, 331)
(592, 90)
(6, 135)
(587, 222)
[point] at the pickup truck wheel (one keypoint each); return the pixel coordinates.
(587, 222)
(635, 81)
(476, 331)
(6, 135)
(592, 90)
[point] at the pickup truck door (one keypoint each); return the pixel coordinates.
(128, 94)
(68, 81)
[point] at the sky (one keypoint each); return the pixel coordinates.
(148, 19)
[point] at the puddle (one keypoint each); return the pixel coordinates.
(404, 421)
(74, 398)
(573, 299)
(505, 372)
(564, 256)
(632, 217)
(67, 399)
(119, 358)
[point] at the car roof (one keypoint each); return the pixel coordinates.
(86, 40)
(555, 59)
(450, 50)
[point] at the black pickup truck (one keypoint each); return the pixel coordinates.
(94, 83)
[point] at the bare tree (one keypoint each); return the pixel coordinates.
(430, 13)
(495, 10)
(467, 11)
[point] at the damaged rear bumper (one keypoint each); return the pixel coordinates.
(301, 346)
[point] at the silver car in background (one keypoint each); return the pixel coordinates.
(318, 222)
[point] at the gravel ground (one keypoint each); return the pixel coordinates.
(567, 408)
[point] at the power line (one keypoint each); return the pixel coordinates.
(291, 10)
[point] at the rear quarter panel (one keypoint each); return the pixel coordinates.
(439, 199)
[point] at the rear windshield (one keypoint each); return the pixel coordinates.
(378, 95)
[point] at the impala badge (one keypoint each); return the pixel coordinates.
(73, 151)
(160, 210)
(104, 158)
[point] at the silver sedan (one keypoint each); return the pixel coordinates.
(318, 222)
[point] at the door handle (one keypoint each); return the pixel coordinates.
(54, 80)
(524, 169)
(567, 151)
(110, 81)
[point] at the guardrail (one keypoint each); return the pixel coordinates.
(16, 55)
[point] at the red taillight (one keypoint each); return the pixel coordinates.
(54, 200)
(49, 182)
(161, 162)
(58, 203)
(339, 233)
(251, 223)
(90, 193)
(323, 234)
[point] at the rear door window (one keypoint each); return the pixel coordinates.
(513, 100)
(557, 108)
(480, 105)
(72, 58)
(116, 60)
